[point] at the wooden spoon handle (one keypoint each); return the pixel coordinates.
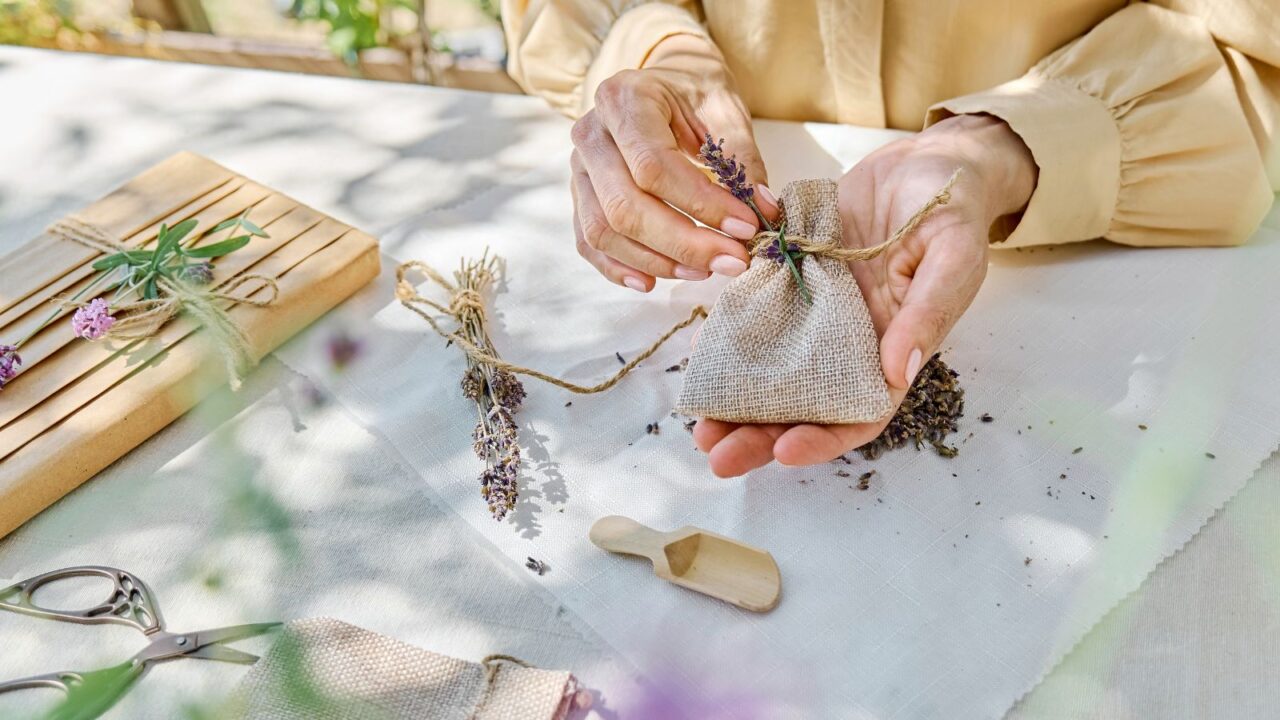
(619, 534)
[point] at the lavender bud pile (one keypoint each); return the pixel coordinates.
(498, 395)
(928, 414)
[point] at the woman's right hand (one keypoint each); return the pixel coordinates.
(631, 167)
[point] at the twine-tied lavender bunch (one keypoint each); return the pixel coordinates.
(497, 393)
(489, 381)
(733, 176)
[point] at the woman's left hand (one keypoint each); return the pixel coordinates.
(918, 288)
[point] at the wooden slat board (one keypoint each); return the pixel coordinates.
(77, 406)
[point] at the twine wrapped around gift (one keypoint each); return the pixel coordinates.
(467, 306)
(143, 318)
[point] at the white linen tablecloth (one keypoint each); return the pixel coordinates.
(386, 530)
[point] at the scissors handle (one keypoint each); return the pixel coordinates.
(130, 603)
(63, 681)
(88, 694)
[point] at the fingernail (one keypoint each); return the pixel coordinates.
(728, 265)
(740, 229)
(913, 365)
(767, 194)
(634, 283)
(684, 272)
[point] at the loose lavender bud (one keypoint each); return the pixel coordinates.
(198, 274)
(92, 321)
(732, 175)
(9, 362)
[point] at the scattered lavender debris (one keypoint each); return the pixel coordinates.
(928, 414)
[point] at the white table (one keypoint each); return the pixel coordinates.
(1199, 640)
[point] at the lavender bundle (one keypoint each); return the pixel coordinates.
(497, 393)
(491, 382)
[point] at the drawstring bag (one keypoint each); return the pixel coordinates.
(791, 339)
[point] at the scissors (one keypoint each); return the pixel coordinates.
(131, 603)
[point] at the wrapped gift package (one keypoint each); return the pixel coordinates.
(77, 406)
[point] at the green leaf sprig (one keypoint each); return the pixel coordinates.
(173, 261)
(792, 260)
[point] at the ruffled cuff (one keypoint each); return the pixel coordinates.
(1076, 146)
(1139, 136)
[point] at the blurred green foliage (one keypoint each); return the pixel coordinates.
(354, 25)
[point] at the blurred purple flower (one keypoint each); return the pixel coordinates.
(343, 350)
(9, 362)
(92, 321)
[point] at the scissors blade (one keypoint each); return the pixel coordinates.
(223, 654)
(231, 634)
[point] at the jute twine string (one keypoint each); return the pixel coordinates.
(143, 318)
(466, 305)
(492, 664)
(761, 242)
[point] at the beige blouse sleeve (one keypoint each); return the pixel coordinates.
(1161, 126)
(562, 50)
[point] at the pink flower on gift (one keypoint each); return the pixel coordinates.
(92, 321)
(9, 362)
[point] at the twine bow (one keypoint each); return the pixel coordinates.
(143, 318)
(465, 305)
(761, 242)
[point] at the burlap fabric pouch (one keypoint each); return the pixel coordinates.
(325, 669)
(766, 355)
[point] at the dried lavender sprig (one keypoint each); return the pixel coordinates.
(497, 393)
(732, 175)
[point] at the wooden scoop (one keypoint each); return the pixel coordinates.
(699, 560)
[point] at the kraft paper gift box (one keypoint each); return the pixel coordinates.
(77, 406)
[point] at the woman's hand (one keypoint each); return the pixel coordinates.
(916, 290)
(631, 168)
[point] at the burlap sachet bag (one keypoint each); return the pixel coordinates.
(768, 354)
(325, 669)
